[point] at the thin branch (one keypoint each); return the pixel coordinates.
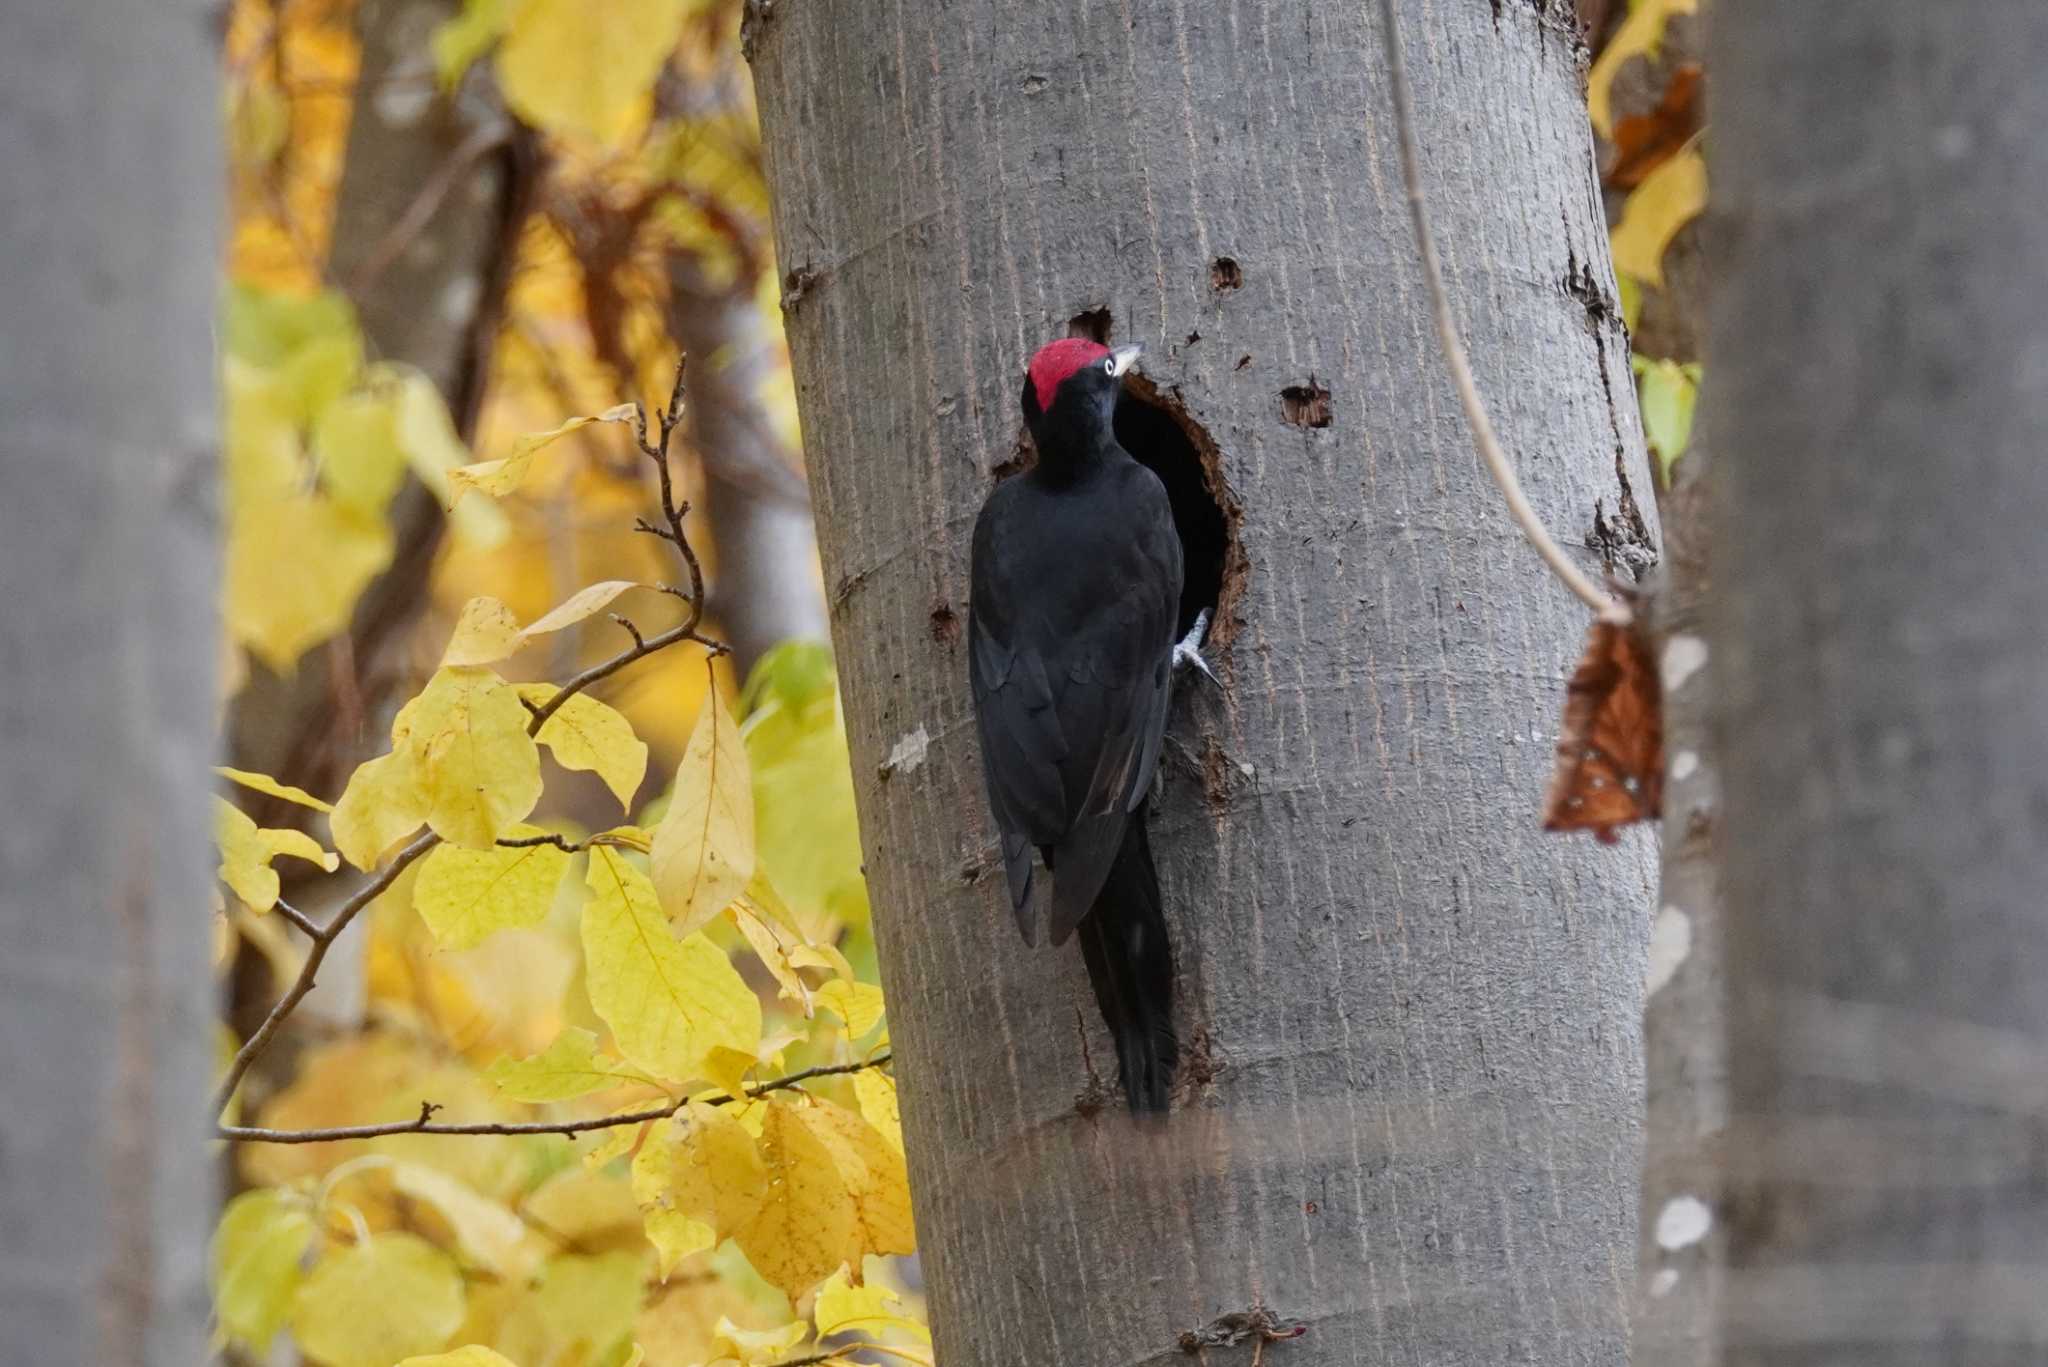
(1490, 452)
(323, 937)
(298, 918)
(323, 940)
(413, 220)
(527, 842)
(256, 1134)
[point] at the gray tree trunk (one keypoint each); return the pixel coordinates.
(1879, 399)
(107, 645)
(1409, 1115)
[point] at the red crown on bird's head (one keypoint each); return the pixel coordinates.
(1055, 361)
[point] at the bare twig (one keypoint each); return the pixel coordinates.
(298, 918)
(256, 1134)
(1490, 452)
(323, 937)
(527, 842)
(409, 224)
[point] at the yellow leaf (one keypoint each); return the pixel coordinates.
(427, 434)
(466, 896)
(500, 477)
(1638, 36)
(479, 770)
(485, 633)
(858, 1004)
(592, 1210)
(264, 783)
(585, 734)
(704, 846)
(822, 956)
(569, 1067)
(675, 1236)
(772, 955)
(842, 1306)
(579, 606)
(754, 1346)
(668, 1002)
(492, 1235)
(356, 450)
(807, 1222)
(469, 35)
(806, 829)
(564, 71)
(256, 1251)
(875, 1178)
(471, 1355)
(703, 1164)
(392, 1297)
(580, 1307)
(246, 850)
(295, 568)
(876, 1092)
(381, 806)
(1669, 198)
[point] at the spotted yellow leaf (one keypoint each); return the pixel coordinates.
(585, 734)
(875, 1179)
(246, 850)
(807, 1222)
(479, 770)
(668, 1001)
(697, 1178)
(370, 1305)
(485, 633)
(465, 896)
(704, 846)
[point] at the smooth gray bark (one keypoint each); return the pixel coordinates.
(107, 646)
(1410, 1111)
(1879, 399)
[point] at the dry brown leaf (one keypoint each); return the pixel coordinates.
(1610, 753)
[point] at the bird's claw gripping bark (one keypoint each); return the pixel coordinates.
(1185, 652)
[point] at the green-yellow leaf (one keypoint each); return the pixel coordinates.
(382, 805)
(1669, 391)
(759, 1346)
(466, 896)
(569, 1067)
(876, 1092)
(471, 1355)
(564, 70)
(256, 1251)
(485, 633)
(806, 830)
(858, 1004)
(580, 1306)
(392, 1297)
(495, 1238)
(1638, 36)
(479, 770)
(356, 449)
(668, 1001)
(585, 734)
(500, 477)
(1669, 198)
(704, 846)
(246, 850)
(458, 42)
(428, 436)
(875, 1179)
(264, 783)
(806, 1224)
(579, 606)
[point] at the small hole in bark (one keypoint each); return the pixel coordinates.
(1305, 405)
(945, 624)
(1242, 362)
(1225, 273)
(1093, 324)
(1155, 427)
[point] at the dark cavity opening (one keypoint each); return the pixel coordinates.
(1155, 429)
(1093, 324)
(1306, 405)
(1225, 274)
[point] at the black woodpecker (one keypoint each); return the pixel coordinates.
(1076, 588)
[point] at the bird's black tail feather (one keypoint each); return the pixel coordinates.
(1130, 965)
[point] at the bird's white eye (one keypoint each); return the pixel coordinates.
(1109, 365)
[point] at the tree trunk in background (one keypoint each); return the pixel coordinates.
(426, 223)
(1412, 1087)
(107, 645)
(764, 549)
(1879, 399)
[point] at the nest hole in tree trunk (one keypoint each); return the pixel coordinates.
(1155, 427)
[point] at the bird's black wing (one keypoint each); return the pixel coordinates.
(1071, 636)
